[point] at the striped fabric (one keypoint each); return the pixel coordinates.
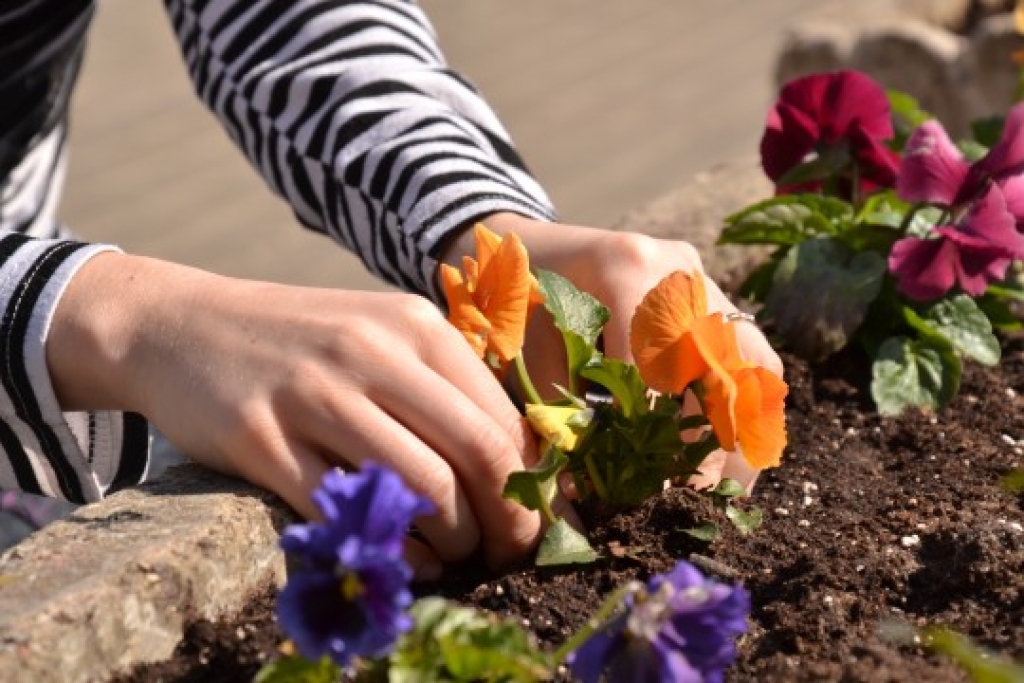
(347, 109)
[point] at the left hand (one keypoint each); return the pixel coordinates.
(618, 268)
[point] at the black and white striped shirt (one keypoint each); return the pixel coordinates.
(347, 109)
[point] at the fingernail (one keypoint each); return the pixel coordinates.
(428, 571)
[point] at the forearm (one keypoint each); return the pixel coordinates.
(349, 111)
(45, 448)
(101, 337)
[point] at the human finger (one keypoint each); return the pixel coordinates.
(290, 469)
(354, 429)
(423, 561)
(753, 345)
(481, 449)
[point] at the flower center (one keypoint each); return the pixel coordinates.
(351, 587)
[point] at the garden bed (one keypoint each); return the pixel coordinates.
(869, 520)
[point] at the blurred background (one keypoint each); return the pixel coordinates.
(612, 104)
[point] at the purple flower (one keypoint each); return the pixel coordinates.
(681, 627)
(351, 595)
(842, 112)
(983, 204)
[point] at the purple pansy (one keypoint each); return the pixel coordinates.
(983, 204)
(681, 627)
(823, 113)
(350, 596)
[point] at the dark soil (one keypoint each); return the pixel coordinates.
(869, 520)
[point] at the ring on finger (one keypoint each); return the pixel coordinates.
(740, 316)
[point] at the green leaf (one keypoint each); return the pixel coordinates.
(883, 208)
(535, 488)
(705, 532)
(730, 488)
(999, 312)
(622, 380)
(924, 373)
(578, 316)
(1008, 293)
(868, 237)
(907, 115)
(1014, 481)
(964, 325)
(988, 131)
(299, 670)
(746, 522)
(924, 221)
(972, 151)
(982, 665)
(787, 220)
(828, 164)
(564, 545)
(842, 284)
(573, 310)
(759, 281)
(449, 642)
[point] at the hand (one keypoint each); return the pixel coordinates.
(619, 268)
(277, 384)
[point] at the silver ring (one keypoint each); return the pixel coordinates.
(740, 316)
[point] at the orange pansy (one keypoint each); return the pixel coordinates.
(662, 333)
(490, 300)
(745, 405)
(675, 342)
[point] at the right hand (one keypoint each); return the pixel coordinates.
(278, 384)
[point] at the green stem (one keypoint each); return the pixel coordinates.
(855, 197)
(595, 476)
(545, 509)
(909, 218)
(611, 603)
(524, 379)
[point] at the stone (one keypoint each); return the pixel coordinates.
(949, 14)
(114, 585)
(907, 45)
(924, 61)
(996, 75)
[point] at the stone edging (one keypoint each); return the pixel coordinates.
(115, 585)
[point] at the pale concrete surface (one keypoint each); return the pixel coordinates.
(611, 103)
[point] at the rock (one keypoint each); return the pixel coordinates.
(996, 75)
(925, 61)
(949, 14)
(906, 45)
(114, 584)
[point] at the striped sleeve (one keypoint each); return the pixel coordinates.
(76, 456)
(349, 112)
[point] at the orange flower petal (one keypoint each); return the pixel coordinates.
(472, 270)
(487, 244)
(503, 295)
(719, 394)
(463, 312)
(660, 322)
(760, 412)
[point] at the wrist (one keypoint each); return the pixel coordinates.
(95, 348)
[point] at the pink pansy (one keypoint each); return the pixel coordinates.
(972, 254)
(827, 111)
(933, 170)
(985, 202)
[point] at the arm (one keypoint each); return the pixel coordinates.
(47, 449)
(349, 111)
